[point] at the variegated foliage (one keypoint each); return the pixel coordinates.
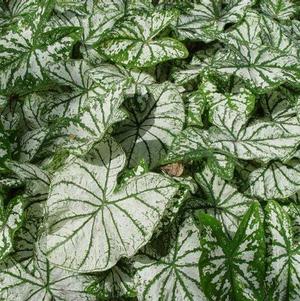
(149, 150)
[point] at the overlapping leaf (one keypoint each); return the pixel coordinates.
(233, 268)
(203, 21)
(26, 49)
(132, 42)
(283, 256)
(154, 121)
(223, 201)
(174, 276)
(85, 210)
(10, 221)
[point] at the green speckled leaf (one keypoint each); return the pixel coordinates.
(132, 42)
(233, 268)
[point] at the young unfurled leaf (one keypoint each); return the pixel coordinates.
(282, 256)
(176, 275)
(84, 209)
(132, 42)
(233, 269)
(154, 121)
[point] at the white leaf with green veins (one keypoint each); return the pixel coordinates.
(30, 143)
(203, 21)
(26, 49)
(261, 140)
(242, 102)
(279, 107)
(36, 180)
(190, 144)
(131, 42)
(283, 269)
(233, 269)
(85, 210)
(78, 133)
(278, 9)
(261, 67)
(222, 165)
(11, 219)
(39, 280)
(72, 73)
(195, 108)
(13, 10)
(223, 201)
(174, 276)
(275, 180)
(154, 121)
(107, 75)
(27, 274)
(114, 283)
(100, 17)
(72, 5)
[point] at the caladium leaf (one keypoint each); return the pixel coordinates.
(176, 275)
(39, 280)
(100, 16)
(72, 5)
(26, 49)
(233, 268)
(283, 255)
(79, 133)
(223, 201)
(84, 205)
(107, 75)
(259, 29)
(190, 144)
(203, 21)
(132, 43)
(275, 180)
(277, 9)
(115, 283)
(261, 67)
(30, 143)
(36, 180)
(12, 11)
(260, 140)
(71, 73)
(195, 108)
(242, 102)
(154, 121)
(11, 219)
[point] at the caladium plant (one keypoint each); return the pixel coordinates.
(149, 150)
